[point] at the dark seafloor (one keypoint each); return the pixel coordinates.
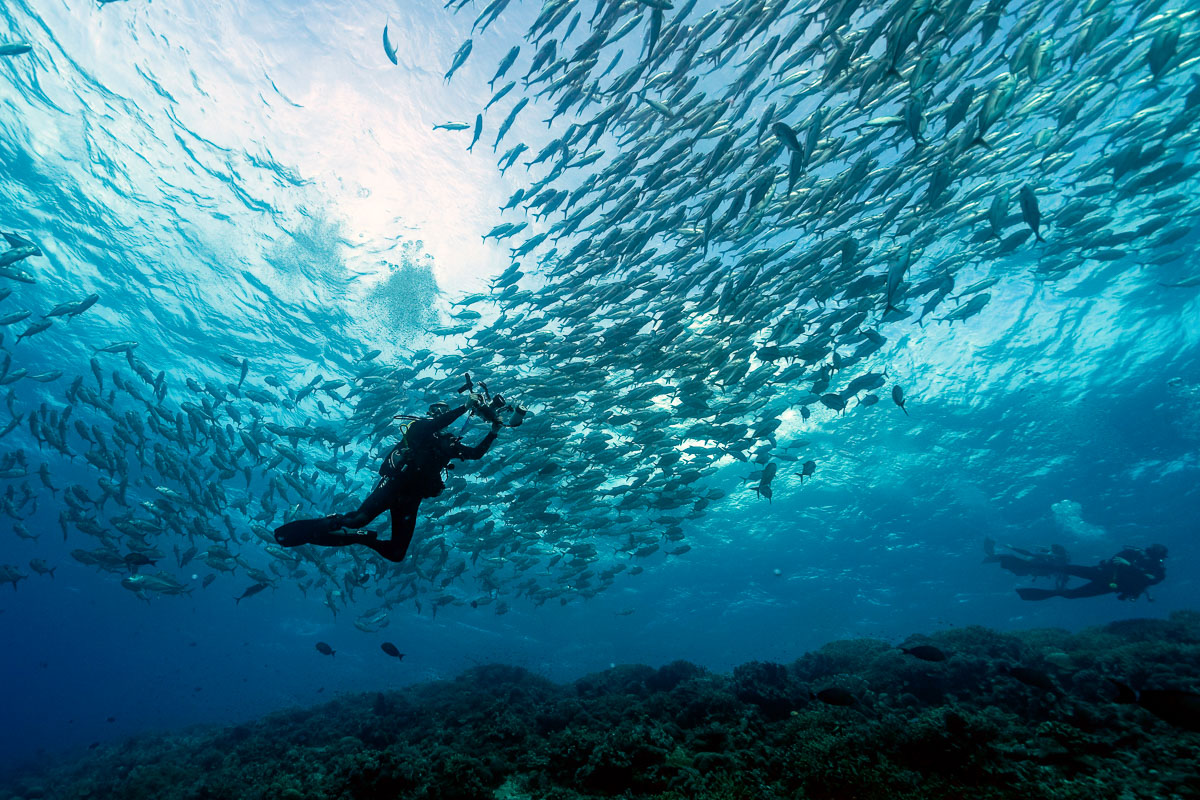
(1029, 715)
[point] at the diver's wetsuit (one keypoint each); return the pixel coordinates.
(1128, 574)
(411, 472)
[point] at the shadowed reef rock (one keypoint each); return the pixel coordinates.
(1029, 715)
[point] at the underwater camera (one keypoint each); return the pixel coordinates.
(488, 406)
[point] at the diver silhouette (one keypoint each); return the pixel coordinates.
(411, 472)
(1128, 574)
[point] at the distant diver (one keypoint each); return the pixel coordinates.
(1045, 562)
(411, 472)
(1128, 574)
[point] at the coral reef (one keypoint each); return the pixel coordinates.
(1030, 715)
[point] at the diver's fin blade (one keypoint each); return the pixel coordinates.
(301, 531)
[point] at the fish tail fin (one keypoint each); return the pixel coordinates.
(905, 410)
(1038, 236)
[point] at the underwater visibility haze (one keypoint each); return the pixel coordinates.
(812, 326)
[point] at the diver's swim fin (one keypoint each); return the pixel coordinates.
(1028, 593)
(305, 531)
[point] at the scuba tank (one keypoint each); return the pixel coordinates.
(397, 459)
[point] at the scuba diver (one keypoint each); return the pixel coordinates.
(411, 471)
(1046, 562)
(1128, 574)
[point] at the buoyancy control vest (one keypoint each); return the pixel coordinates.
(420, 463)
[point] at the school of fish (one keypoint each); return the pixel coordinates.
(737, 207)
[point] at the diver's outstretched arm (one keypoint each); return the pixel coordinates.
(434, 424)
(476, 452)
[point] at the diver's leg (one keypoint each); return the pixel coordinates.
(404, 522)
(1093, 589)
(1017, 566)
(338, 538)
(1090, 573)
(323, 531)
(1028, 593)
(376, 503)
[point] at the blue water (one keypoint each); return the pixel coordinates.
(239, 179)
